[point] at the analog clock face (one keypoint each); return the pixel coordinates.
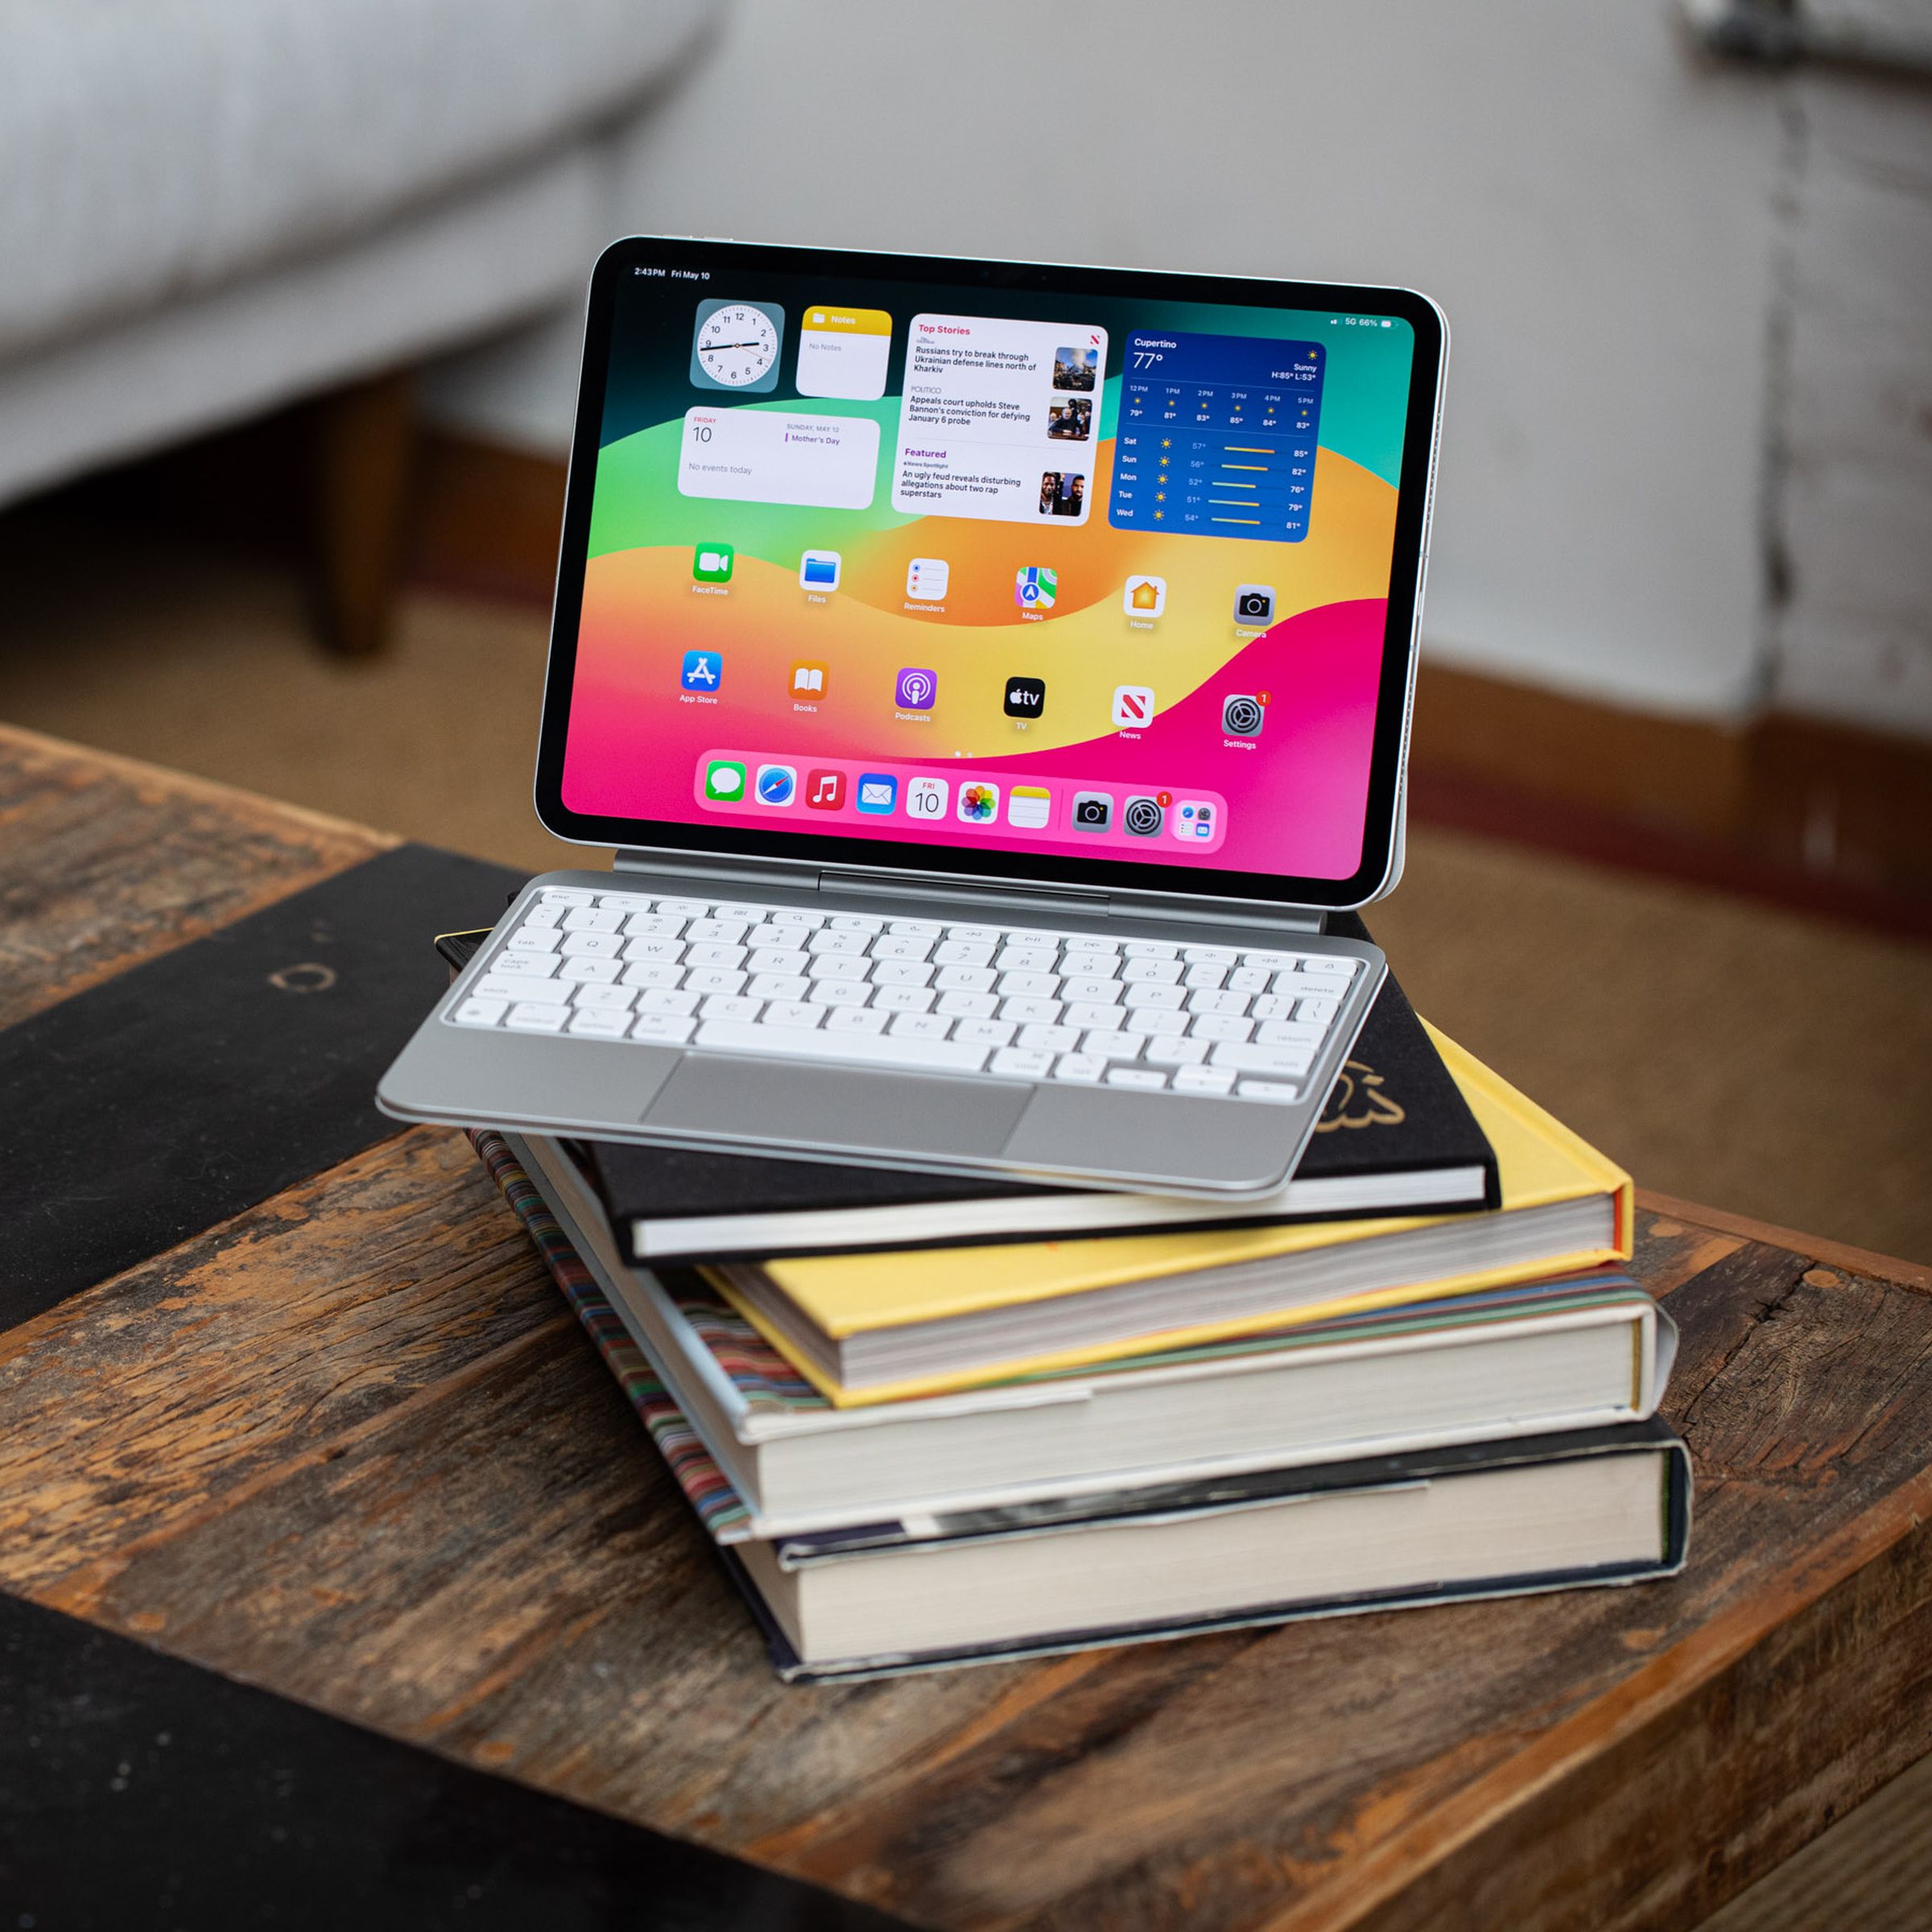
(736, 344)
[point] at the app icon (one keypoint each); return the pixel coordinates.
(808, 680)
(979, 802)
(1133, 706)
(1143, 816)
(878, 793)
(1194, 818)
(1026, 697)
(1092, 811)
(1242, 716)
(820, 569)
(1145, 597)
(1029, 807)
(778, 784)
(915, 690)
(724, 780)
(926, 579)
(825, 790)
(843, 351)
(735, 345)
(925, 799)
(704, 669)
(711, 562)
(1254, 604)
(1035, 588)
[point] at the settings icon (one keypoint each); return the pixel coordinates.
(1242, 716)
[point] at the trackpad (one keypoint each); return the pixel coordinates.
(837, 1107)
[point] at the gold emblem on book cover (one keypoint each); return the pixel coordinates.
(1358, 1100)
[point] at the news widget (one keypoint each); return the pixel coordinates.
(963, 804)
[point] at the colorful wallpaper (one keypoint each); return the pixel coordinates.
(809, 681)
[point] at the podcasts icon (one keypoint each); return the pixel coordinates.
(915, 690)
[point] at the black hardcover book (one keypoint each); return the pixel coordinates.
(1397, 1138)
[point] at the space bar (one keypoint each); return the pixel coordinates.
(867, 1049)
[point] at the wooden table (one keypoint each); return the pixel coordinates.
(346, 1446)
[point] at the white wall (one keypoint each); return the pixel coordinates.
(1591, 203)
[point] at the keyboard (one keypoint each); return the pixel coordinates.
(932, 996)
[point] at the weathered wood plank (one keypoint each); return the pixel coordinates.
(108, 861)
(347, 1447)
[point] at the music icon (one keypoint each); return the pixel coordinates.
(825, 790)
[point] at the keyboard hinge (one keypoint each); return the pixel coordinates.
(1008, 898)
(698, 868)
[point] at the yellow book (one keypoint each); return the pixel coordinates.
(879, 1328)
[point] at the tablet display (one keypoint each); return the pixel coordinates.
(1042, 572)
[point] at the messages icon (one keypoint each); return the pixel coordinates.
(724, 780)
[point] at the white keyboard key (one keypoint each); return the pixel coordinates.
(731, 911)
(840, 992)
(1202, 1079)
(711, 953)
(1115, 1046)
(662, 1029)
(967, 1006)
(1172, 1050)
(654, 949)
(1318, 1012)
(1287, 1033)
(526, 965)
(603, 999)
(1163, 999)
(837, 967)
(480, 1013)
(1027, 958)
(1333, 965)
(965, 979)
(683, 909)
(1036, 985)
(779, 959)
(589, 971)
(1091, 945)
(1029, 1011)
(1247, 978)
(778, 986)
(533, 939)
(1271, 1006)
(1148, 949)
(902, 946)
(985, 1032)
(1210, 955)
(769, 938)
(718, 932)
(1095, 992)
(1053, 1039)
(528, 1018)
(1209, 976)
(653, 926)
(904, 999)
(1278, 1092)
(960, 952)
(1084, 1012)
(1135, 1076)
(976, 935)
(511, 986)
(594, 919)
(856, 922)
(900, 973)
(568, 895)
(1082, 1067)
(856, 1020)
(871, 1050)
(597, 1024)
(925, 929)
(793, 1013)
(1221, 1027)
(919, 1026)
(592, 945)
(1269, 962)
(662, 1001)
(730, 1006)
(1271, 1062)
(1206, 1001)
(795, 916)
(714, 979)
(1022, 1062)
(625, 902)
(1140, 971)
(540, 918)
(653, 972)
(839, 940)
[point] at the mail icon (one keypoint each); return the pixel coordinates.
(878, 793)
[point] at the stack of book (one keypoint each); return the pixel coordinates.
(929, 1420)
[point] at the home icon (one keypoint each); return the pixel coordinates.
(1145, 597)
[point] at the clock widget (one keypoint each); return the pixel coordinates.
(735, 346)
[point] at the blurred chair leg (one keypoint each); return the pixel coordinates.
(362, 452)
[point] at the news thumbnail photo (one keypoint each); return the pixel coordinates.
(1071, 421)
(1078, 368)
(1062, 493)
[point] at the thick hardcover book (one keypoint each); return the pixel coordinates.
(1589, 1506)
(1578, 1352)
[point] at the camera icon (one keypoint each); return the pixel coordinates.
(1092, 811)
(1242, 716)
(1143, 817)
(1254, 604)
